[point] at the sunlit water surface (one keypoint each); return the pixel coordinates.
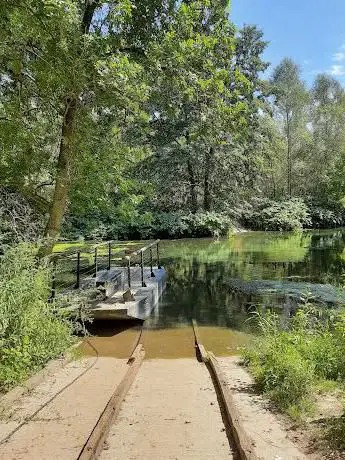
(219, 283)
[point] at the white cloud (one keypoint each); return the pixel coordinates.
(337, 70)
(339, 56)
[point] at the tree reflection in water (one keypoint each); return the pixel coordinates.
(219, 282)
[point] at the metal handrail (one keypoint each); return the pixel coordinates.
(136, 252)
(140, 252)
(74, 255)
(93, 269)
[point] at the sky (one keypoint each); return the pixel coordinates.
(311, 32)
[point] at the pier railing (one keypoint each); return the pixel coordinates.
(147, 256)
(73, 268)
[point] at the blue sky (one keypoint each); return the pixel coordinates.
(312, 32)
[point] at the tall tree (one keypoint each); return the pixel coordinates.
(65, 65)
(200, 106)
(328, 143)
(291, 106)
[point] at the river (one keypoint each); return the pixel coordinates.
(219, 283)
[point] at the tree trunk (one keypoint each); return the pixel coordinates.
(192, 181)
(289, 158)
(66, 155)
(207, 176)
(62, 181)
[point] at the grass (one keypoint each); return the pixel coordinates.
(89, 245)
(32, 331)
(293, 361)
(62, 247)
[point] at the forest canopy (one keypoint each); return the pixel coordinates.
(157, 118)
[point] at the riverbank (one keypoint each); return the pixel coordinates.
(33, 330)
(299, 365)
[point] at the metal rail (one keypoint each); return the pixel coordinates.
(131, 255)
(102, 256)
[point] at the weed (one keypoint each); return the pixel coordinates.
(32, 331)
(290, 362)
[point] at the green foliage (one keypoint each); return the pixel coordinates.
(327, 215)
(286, 215)
(282, 373)
(145, 225)
(32, 331)
(18, 220)
(208, 224)
(288, 359)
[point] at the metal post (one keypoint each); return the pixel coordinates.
(54, 281)
(129, 272)
(109, 255)
(96, 263)
(142, 268)
(151, 263)
(158, 261)
(77, 284)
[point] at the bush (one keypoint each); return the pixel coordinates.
(271, 215)
(156, 225)
(32, 331)
(208, 224)
(288, 361)
(328, 215)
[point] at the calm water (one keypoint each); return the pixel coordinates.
(219, 282)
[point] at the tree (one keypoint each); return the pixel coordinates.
(200, 108)
(290, 105)
(328, 143)
(66, 66)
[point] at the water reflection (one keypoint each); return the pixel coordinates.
(272, 269)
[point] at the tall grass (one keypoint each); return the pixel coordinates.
(288, 360)
(32, 331)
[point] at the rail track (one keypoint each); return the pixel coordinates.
(198, 406)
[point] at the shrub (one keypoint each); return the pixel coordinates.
(271, 215)
(32, 331)
(326, 215)
(156, 225)
(287, 361)
(208, 224)
(168, 225)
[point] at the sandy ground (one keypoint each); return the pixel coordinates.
(171, 412)
(60, 430)
(267, 431)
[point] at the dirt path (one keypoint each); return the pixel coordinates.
(60, 430)
(171, 412)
